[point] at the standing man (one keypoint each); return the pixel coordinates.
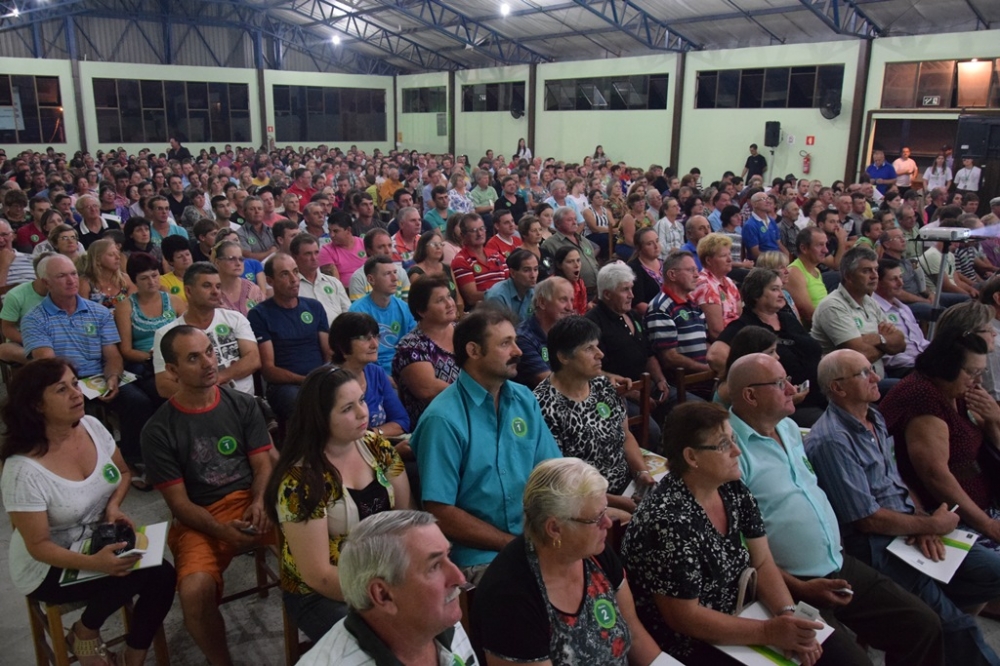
(393, 316)
(969, 177)
(291, 335)
(882, 174)
(517, 292)
(313, 283)
(256, 238)
(207, 451)
(474, 268)
(755, 165)
(478, 441)
(906, 170)
(566, 221)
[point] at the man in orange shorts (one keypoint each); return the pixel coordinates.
(208, 451)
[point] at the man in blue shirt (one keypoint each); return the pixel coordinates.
(761, 232)
(853, 456)
(291, 334)
(478, 441)
(803, 534)
(64, 324)
(517, 291)
(392, 314)
(553, 300)
(881, 172)
(696, 228)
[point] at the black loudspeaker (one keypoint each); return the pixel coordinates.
(772, 133)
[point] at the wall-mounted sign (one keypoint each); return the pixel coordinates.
(810, 140)
(932, 100)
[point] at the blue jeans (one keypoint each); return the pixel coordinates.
(313, 613)
(282, 398)
(976, 581)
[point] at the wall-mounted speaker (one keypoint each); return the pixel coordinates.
(772, 133)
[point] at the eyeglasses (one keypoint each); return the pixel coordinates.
(592, 521)
(477, 230)
(726, 446)
(65, 238)
(780, 384)
(435, 245)
(975, 374)
(865, 373)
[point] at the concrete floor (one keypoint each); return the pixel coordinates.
(254, 627)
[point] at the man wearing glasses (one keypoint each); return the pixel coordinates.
(803, 533)
(475, 268)
(160, 225)
(853, 456)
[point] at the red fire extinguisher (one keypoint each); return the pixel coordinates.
(806, 161)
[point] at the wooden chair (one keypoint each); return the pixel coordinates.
(641, 420)
(49, 635)
(683, 381)
(266, 576)
(293, 646)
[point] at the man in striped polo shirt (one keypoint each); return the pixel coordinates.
(674, 324)
(475, 268)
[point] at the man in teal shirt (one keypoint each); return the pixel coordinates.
(478, 441)
(438, 216)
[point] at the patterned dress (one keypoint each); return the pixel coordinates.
(416, 347)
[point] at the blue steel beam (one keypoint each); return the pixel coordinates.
(844, 17)
(640, 25)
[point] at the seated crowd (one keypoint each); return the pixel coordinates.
(413, 375)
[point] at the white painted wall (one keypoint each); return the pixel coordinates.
(638, 137)
(477, 132)
(283, 78)
(62, 69)
(418, 131)
(717, 140)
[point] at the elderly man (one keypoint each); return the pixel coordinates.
(760, 232)
(565, 221)
(314, 222)
(93, 226)
(788, 226)
(404, 241)
(887, 295)
(518, 291)
(553, 300)
(401, 590)
(854, 462)
(696, 228)
(803, 534)
(475, 268)
(478, 441)
(676, 325)
(560, 198)
(65, 324)
(849, 318)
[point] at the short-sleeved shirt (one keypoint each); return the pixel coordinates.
(483, 196)
(347, 260)
(884, 172)
(328, 291)
(502, 247)
(359, 285)
(671, 548)
(505, 292)
(467, 269)
(760, 233)
(293, 332)
(228, 327)
(713, 291)
(590, 429)
(339, 509)
(19, 301)
(436, 220)
(207, 450)
(626, 351)
(477, 457)
(839, 318)
(514, 619)
(253, 241)
(801, 525)
(21, 270)
(416, 347)
(173, 285)
(88, 237)
(394, 321)
(71, 507)
(588, 256)
(156, 238)
(673, 323)
(755, 165)
(79, 337)
(29, 236)
(533, 343)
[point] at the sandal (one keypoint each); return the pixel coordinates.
(92, 652)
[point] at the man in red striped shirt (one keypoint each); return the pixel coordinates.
(476, 268)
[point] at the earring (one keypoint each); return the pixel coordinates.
(557, 544)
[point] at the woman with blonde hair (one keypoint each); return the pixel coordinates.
(102, 279)
(717, 295)
(237, 292)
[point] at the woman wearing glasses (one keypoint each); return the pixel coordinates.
(253, 270)
(557, 595)
(238, 293)
(687, 594)
(429, 260)
(333, 472)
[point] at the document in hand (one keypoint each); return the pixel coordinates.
(956, 547)
(657, 466)
(765, 655)
(94, 387)
(150, 538)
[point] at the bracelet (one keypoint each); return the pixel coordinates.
(785, 609)
(636, 475)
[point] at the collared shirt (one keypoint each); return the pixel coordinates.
(359, 286)
(568, 202)
(254, 241)
(466, 267)
(715, 220)
(21, 269)
(884, 172)
(402, 253)
(760, 233)
(79, 336)
(329, 291)
(533, 343)
(839, 318)
(913, 250)
(673, 323)
(505, 292)
(626, 350)
(801, 525)
(351, 642)
(346, 259)
(588, 260)
(435, 219)
(900, 316)
(671, 235)
(693, 249)
(477, 456)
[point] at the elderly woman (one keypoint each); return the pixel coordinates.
(459, 199)
(585, 413)
(428, 260)
(424, 364)
(715, 292)
(333, 472)
(558, 595)
(62, 475)
(686, 595)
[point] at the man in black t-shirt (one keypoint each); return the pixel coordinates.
(755, 165)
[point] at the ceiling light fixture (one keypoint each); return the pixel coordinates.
(504, 9)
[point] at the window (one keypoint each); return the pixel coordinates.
(425, 100)
(315, 114)
(941, 84)
(493, 96)
(615, 93)
(801, 87)
(134, 111)
(31, 109)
